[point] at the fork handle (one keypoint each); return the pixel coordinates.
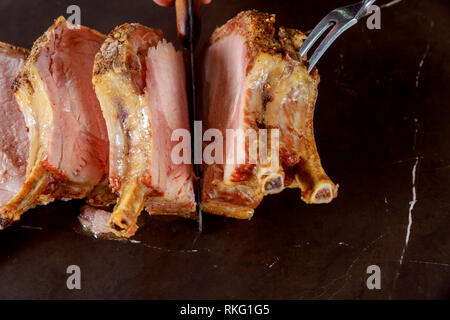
(365, 5)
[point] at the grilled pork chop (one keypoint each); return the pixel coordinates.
(254, 78)
(13, 131)
(68, 152)
(139, 79)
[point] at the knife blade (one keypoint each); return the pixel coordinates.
(188, 28)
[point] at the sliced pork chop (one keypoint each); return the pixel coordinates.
(13, 132)
(68, 152)
(94, 221)
(139, 79)
(254, 78)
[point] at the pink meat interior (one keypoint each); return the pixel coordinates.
(166, 96)
(79, 142)
(14, 142)
(225, 73)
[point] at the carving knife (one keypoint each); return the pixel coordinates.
(188, 28)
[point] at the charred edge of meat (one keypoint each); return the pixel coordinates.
(39, 43)
(6, 48)
(262, 35)
(257, 27)
(291, 40)
(38, 46)
(5, 222)
(22, 80)
(114, 51)
(9, 47)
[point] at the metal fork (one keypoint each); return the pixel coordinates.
(342, 19)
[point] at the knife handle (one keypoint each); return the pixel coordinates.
(183, 21)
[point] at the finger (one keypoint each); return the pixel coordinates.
(170, 3)
(165, 3)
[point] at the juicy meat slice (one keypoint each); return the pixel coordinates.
(78, 146)
(167, 101)
(13, 132)
(139, 79)
(68, 151)
(253, 78)
(94, 220)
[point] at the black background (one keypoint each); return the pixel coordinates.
(374, 93)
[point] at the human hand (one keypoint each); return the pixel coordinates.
(170, 3)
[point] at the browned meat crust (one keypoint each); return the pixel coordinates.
(120, 80)
(45, 183)
(279, 94)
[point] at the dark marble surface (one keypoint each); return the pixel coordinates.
(382, 115)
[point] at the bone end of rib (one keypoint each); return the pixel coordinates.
(121, 227)
(273, 183)
(316, 188)
(323, 192)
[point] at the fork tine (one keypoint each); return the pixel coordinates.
(337, 30)
(314, 35)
